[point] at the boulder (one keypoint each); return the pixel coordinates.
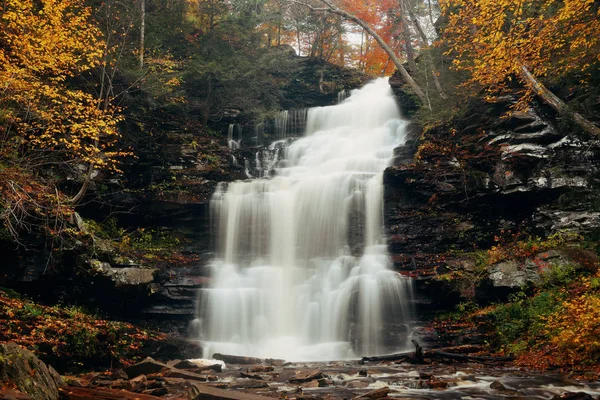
(513, 274)
(306, 376)
(146, 367)
(21, 369)
(129, 276)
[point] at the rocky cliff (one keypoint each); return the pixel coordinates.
(487, 177)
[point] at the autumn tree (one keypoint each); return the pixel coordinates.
(45, 120)
(532, 40)
(329, 6)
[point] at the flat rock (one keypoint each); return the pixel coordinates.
(261, 368)
(146, 367)
(248, 384)
(374, 394)
(573, 396)
(306, 376)
(206, 392)
(181, 373)
(357, 384)
(285, 375)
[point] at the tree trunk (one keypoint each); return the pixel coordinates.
(557, 104)
(332, 8)
(142, 31)
(408, 47)
(424, 43)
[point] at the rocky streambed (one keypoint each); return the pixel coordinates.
(23, 376)
(256, 379)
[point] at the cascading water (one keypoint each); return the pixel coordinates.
(289, 280)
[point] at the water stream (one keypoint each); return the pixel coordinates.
(302, 271)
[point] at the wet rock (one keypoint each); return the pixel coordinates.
(573, 396)
(306, 375)
(146, 367)
(121, 384)
(513, 274)
(157, 392)
(119, 374)
(138, 379)
(310, 385)
(497, 385)
(261, 368)
(425, 375)
(214, 393)
(124, 276)
(432, 384)
(285, 375)
(362, 372)
(21, 369)
(251, 376)
(375, 394)
(73, 382)
(184, 374)
(248, 384)
(357, 384)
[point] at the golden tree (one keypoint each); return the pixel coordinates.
(496, 40)
(44, 118)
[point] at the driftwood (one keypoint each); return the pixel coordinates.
(454, 353)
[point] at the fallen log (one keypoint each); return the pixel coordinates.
(391, 357)
(231, 359)
(80, 393)
(419, 355)
(464, 357)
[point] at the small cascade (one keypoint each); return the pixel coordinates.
(290, 123)
(234, 136)
(342, 95)
(302, 271)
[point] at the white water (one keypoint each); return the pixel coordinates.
(284, 283)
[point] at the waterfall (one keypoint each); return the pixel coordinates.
(302, 271)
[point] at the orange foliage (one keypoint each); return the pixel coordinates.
(69, 333)
(572, 333)
(379, 14)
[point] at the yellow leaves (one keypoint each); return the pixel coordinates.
(489, 37)
(40, 50)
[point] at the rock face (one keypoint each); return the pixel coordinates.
(484, 176)
(21, 369)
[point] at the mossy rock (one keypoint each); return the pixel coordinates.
(21, 369)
